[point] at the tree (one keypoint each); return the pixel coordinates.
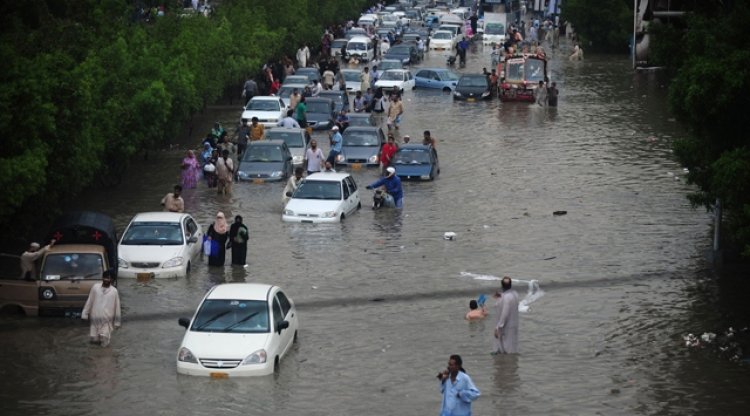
(601, 25)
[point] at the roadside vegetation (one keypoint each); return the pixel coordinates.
(601, 25)
(88, 84)
(709, 95)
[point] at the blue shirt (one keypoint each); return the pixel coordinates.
(392, 185)
(457, 397)
(336, 142)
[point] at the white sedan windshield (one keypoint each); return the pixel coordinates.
(392, 76)
(153, 234)
(232, 315)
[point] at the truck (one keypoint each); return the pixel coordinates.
(85, 247)
(495, 27)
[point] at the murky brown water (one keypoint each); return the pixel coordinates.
(620, 272)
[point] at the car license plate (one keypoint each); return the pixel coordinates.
(307, 221)
(219, 375)
(470, 100)
(144, 277)
(356, 166)
(258, 180)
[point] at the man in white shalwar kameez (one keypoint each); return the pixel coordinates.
(102, 309)
(506, 320)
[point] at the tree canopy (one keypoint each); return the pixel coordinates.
(601, 25)
(89, 83)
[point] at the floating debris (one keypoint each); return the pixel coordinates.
(450, 235)
(558, 213)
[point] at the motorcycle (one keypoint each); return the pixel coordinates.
(382, 199)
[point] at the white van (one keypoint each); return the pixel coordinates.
(360, 47)
(368, 20)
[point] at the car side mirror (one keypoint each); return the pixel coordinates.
(192, 240)
(184, 322)
(282, 326)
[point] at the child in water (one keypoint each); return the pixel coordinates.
(477, 310)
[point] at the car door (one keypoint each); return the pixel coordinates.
(409, 81)
(422, 78)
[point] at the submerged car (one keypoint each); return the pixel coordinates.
(472, 87)
(407, 54)
(351, 77)
(268, 109)
(361, 146)
(362, 120)
(312, 74)
(296, 140)
(438, 78)
(323, 197)
(416, 161)
(159, 245)
(442, 40)
(320, 113)
(387, 64)
(265, 160)
(285, 92)
(239, 329)
(400, 79)
(340, 99)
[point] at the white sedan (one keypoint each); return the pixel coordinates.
(239, 329)
(323, 197)
(159, 244)
(268, 109)
(442, 40)
(396, 78)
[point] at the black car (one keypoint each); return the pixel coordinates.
(472, 87)
(407, 54)
(312, 74)
(265, 160)
(320, 113)
(362, 120)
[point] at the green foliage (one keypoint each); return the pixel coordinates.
(601, 25)
(709, 94)
(87, 85)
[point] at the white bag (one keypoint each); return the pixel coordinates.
(207, 247)
(209, 167)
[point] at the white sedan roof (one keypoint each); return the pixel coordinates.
(265, 98)
(327, 176)
(159, 216)
(246, 291)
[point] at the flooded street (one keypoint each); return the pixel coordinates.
(382, 296)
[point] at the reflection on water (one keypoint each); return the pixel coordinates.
(382, 294)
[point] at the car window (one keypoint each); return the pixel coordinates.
(278, 316)
(190, 227)
(360, 138)
(286, 306)
(263, 154)
(425, 74)
(351, 184)
(313, 189)
(346, 191)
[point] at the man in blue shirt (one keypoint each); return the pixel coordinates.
(462, 47)
(392, 185)
(336, 140)
(457, 388)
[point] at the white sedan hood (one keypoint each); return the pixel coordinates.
(389, 84)
(148, 254)
(222, 345)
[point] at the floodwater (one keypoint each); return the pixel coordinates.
(381, 297)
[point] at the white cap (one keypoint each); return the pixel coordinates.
(335, 128)
(34, 245)
(391, 170)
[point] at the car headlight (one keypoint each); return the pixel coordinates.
(340, 158)
(173, 262)
(186, 356)
(329, 214)
(122, 263)
(288, 212)
(242, 174)
(374, 159)
(424, 177)
(276, 174)
(297, 159)
(456, 93)
(405, 60)
(486, 93)
(258, 357)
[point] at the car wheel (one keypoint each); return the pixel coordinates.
(446, 89)
(276, 366)
(359, 205)
(342, 217)
(296, 337)
(187, 269)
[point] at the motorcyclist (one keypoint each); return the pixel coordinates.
(392, 185)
